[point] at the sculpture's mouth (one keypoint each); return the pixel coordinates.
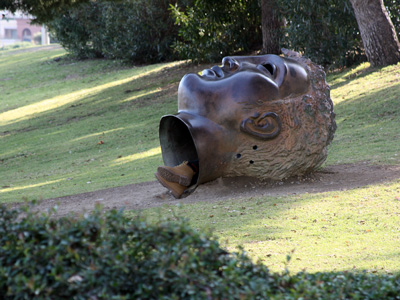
(189, 137)
(176, 141)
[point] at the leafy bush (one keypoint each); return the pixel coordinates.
(110, 256)
(393, 7)
(76, 31)
(136, 30)
(206, 30)
(209, 30)
(325, 31)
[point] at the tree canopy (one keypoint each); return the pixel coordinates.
(43, 11)
(205, 30)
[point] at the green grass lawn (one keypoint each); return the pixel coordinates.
(367, 106)
(69, 127)
(75, 126)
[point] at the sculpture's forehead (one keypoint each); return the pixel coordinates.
(287, 73)
(258, 58)
(268, 58)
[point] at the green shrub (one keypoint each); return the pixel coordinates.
(112, 257)
(393, 7)
(209, 30)
(325, 31)
(109, 256)
(205, 30)
(76, 30)
(135, 30)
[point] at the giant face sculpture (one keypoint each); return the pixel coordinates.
(265, 116)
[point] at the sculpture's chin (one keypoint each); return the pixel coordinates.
(188, 137)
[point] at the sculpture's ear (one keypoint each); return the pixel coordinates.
(266, 126)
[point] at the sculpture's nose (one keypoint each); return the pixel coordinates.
(230, 64)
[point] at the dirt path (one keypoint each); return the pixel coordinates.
(152, 194)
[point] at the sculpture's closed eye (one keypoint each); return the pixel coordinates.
(271, 68)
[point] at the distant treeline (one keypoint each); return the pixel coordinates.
(149, 31)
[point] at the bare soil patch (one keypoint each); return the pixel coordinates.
(152, 194)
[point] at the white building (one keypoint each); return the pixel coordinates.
(16, 28)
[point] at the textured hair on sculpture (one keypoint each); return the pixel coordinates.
(307, 127)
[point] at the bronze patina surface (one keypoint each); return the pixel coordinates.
(267, 116)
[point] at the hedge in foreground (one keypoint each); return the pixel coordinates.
(108, 256)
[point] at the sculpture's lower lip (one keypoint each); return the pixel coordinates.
(189, 137)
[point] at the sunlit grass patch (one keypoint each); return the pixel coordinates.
(137, 156)
(6, 189)
(366, 103)
(76, 119)
(356, 229)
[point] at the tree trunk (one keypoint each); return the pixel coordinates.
(271, 25)
(377, 32)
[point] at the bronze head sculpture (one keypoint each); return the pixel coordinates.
(267, 116)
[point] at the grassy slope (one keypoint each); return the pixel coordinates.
(367, 105)
(54, 114)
